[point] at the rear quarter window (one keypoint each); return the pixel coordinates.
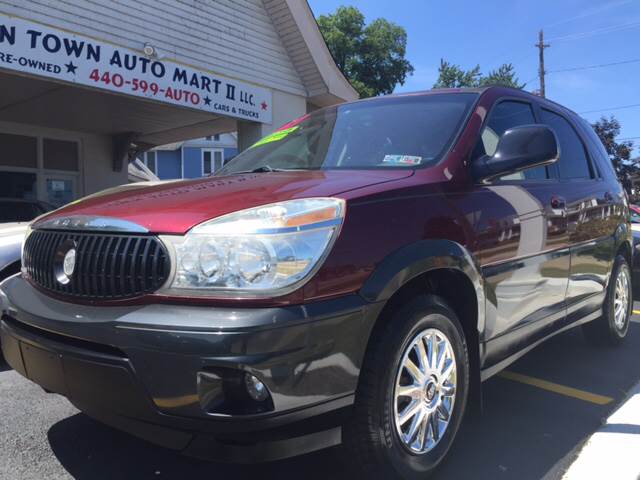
(598, 149)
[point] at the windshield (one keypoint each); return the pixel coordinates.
(402, 132)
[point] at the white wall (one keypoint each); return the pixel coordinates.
(235, 38)
(98, 171)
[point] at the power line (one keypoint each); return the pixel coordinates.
(611, 108)
(591, 12)
(597, 31)
(601, 65)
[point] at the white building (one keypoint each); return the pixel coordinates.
(87, 86)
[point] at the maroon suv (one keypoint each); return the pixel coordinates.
(351, 278)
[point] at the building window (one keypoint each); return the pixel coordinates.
(18, 151)
(18, 185)
(37, 168)
(60, 155)
(212, 160)
(215, 138)
(151, 161)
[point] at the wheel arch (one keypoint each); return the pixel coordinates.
(441, 267)
(425, 258)
(623, 243)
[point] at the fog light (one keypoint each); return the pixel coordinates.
(256, 389)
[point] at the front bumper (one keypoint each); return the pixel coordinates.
(158, 371)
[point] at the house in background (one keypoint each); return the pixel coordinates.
(191, 158)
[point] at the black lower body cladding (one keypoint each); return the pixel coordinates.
(175, 375)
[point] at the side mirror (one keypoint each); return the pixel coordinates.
(519, 148)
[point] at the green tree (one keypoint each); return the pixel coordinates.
(372, 57)
(619, 152)
(452, 76)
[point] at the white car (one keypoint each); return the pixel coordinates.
(15, 215)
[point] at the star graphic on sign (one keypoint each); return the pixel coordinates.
(207, 100)
(71, 68)
(263, 105)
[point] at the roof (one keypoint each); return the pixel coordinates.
(506, 91)
(301, 37)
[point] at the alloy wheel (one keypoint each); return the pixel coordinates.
(425, 391)
(621, 299)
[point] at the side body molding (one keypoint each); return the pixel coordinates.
(420, 257)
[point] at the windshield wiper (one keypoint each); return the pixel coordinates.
(264, 169)
(267, 168)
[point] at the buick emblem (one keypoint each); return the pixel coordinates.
(64, 262)
(69, 262)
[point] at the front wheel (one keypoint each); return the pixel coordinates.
(412, 392)
(613, 326)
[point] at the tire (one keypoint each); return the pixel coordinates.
(373, 435)
(606, 330)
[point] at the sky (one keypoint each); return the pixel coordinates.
(491, 32)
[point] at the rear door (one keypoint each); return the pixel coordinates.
(588, 202)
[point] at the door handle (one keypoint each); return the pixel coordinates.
(558, 202)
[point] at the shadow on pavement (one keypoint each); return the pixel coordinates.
(530, 434)
(525, 433)
(90, 450)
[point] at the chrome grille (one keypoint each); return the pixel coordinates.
(108, 266)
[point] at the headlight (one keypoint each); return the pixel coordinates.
(263, 251)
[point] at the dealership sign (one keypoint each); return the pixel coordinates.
(39, 50)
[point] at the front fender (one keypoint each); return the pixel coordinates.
(418, 258)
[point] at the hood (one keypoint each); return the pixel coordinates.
(175, 207)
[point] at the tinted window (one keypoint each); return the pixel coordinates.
(18, 185)
(504, 116)
(60, 154)
(405, 131)
(18, 150)
(599, 149)
(573, 162)
(17, 212)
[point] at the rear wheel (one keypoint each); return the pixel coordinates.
(613, 326)
(412, 392)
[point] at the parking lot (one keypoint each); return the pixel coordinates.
(536, 417)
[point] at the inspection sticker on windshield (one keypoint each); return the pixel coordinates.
(402, 159)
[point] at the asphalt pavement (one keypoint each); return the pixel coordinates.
(536, 419)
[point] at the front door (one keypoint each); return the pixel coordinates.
(523, 244)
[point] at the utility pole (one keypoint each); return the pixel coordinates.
(541, 46)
